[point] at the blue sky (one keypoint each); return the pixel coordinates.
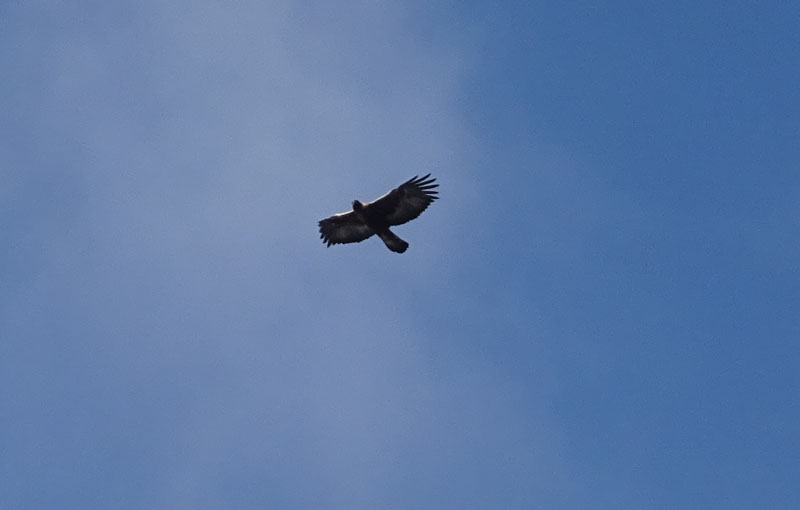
(600, 312)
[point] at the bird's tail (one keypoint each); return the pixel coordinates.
(393, 242)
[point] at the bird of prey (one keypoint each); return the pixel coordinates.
(399, 206)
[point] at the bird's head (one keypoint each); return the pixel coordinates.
(357, 206)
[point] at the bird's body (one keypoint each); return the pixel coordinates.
(399, 206)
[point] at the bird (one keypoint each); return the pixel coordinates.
(398, 206)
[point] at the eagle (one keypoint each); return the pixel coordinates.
(400, 205)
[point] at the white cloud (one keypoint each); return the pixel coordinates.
(217, 337)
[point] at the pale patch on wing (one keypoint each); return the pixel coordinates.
(343, 228)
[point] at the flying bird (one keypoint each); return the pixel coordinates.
(399, 206)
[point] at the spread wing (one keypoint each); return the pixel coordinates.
(343, 228)
(407, 201)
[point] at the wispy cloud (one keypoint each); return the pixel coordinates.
(179, 337)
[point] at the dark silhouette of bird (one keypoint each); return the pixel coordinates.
(399, 206)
